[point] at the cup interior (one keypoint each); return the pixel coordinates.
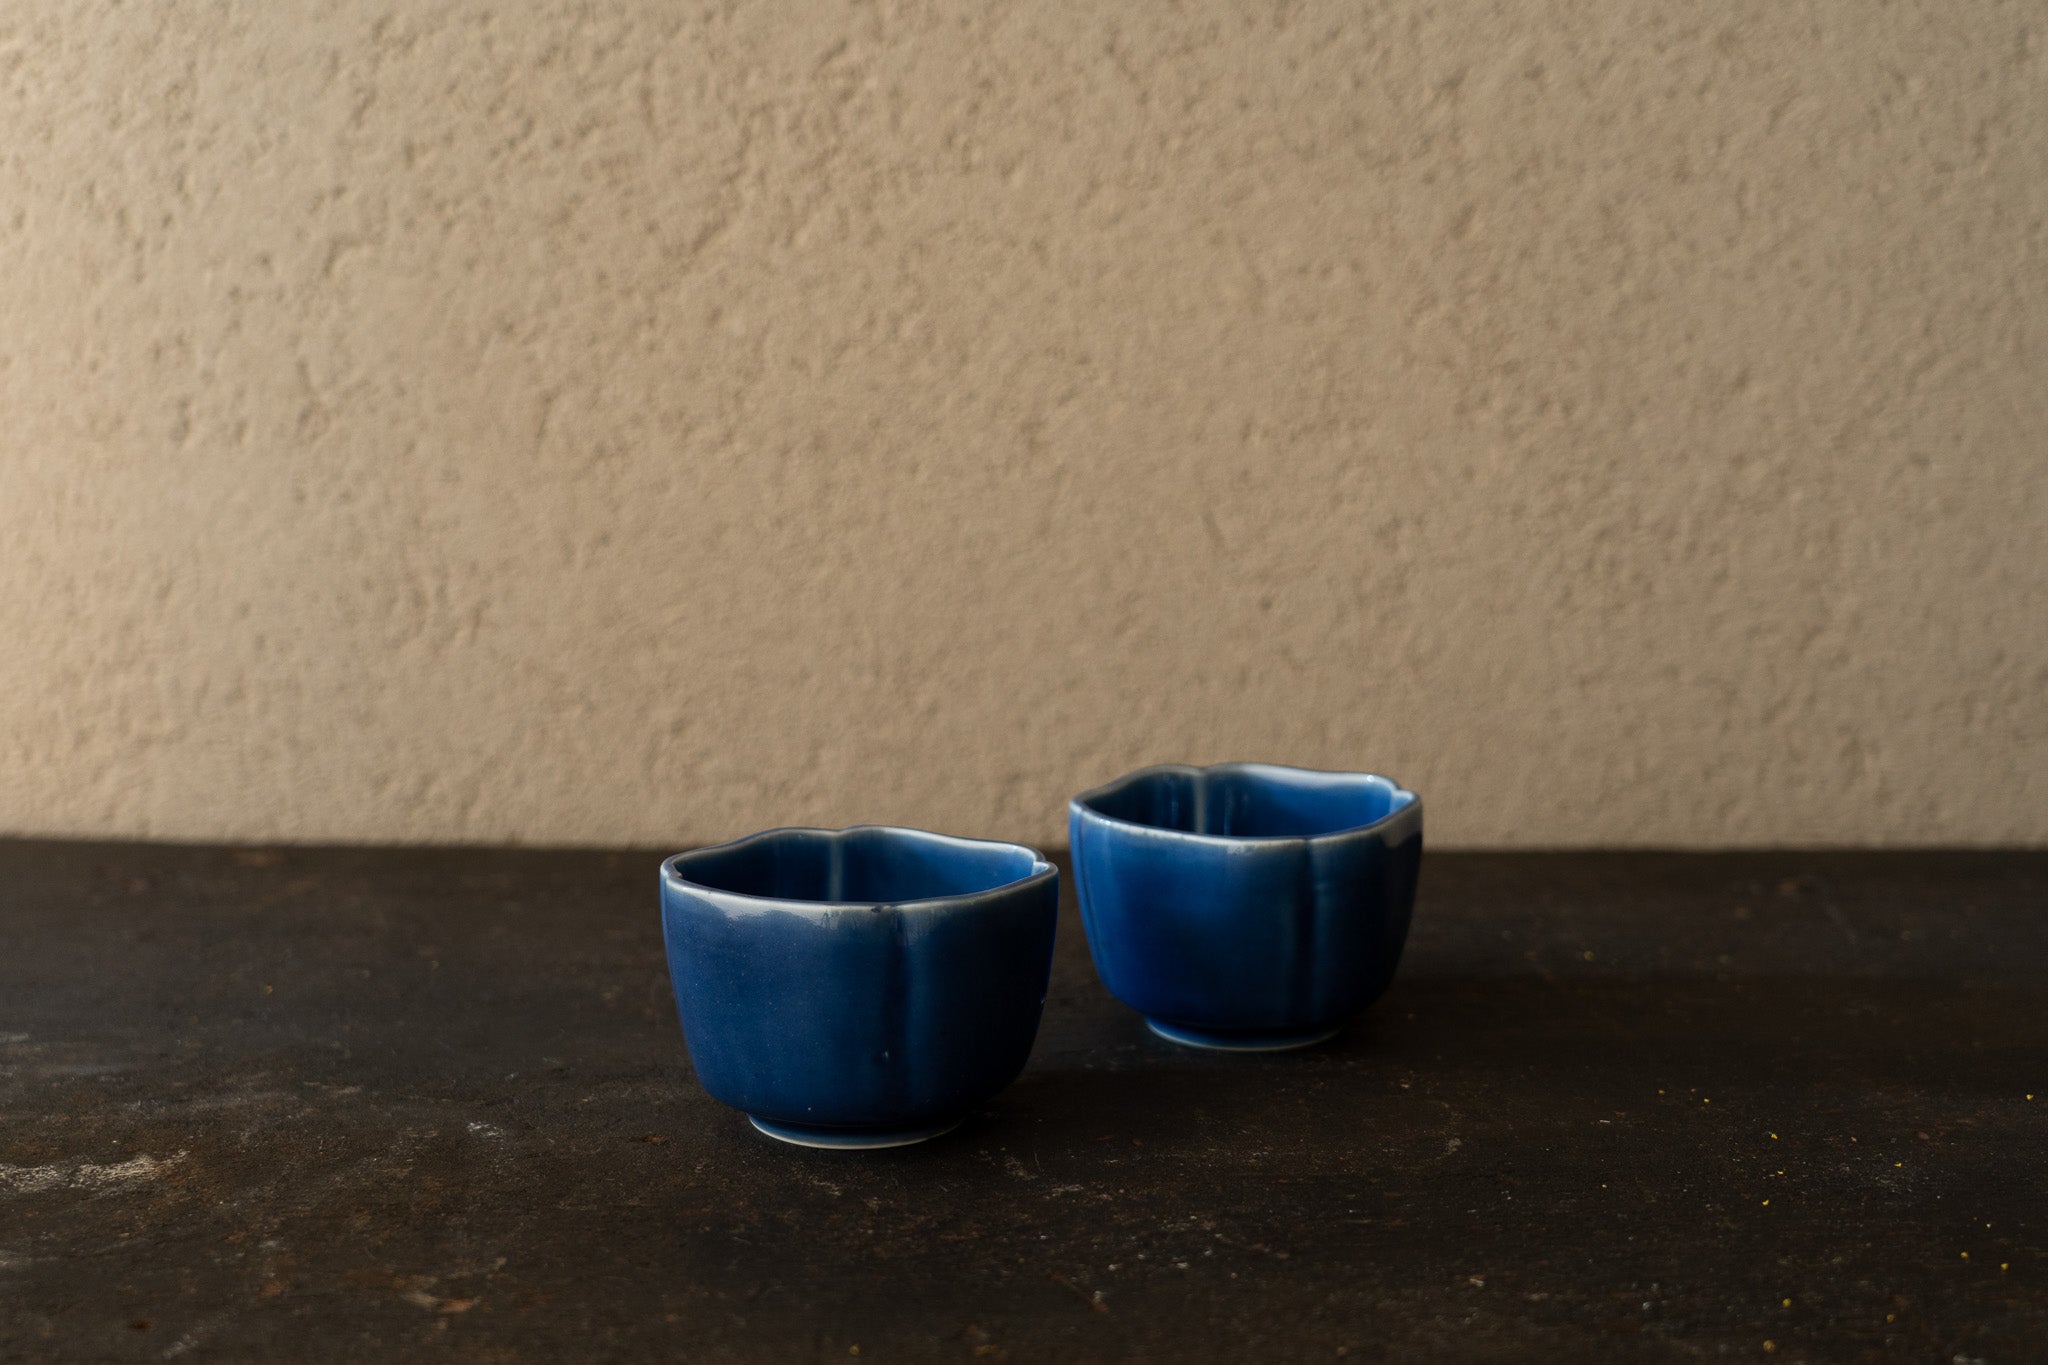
(1251, 801)
(857, 866)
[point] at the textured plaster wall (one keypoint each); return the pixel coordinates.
(632, 422)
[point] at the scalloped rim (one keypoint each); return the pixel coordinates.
(1080, 805)
(1041, 867)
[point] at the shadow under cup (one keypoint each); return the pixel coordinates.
(1246, 906)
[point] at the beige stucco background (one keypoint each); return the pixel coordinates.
(640, 423)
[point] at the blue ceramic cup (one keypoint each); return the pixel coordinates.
(862, 987)
(1246, 906)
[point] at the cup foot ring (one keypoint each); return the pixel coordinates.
(852, 1139)
(1241, 1042)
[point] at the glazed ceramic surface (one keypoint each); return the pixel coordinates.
(1246, 906)
(860, 987)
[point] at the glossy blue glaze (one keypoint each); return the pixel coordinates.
(858, 987)
(1246, 905)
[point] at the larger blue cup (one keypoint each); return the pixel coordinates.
(1246, 906)
(863, 987)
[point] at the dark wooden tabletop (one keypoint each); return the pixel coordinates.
(373, 1104)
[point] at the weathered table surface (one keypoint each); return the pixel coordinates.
(368, 1104)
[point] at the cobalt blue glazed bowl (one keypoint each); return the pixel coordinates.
(1246, 906)
(861, 987)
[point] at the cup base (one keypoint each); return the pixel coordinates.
(851, 1139)
(1241, 1042)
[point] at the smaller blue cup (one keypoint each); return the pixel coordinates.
(862, 987)
(1246, 906)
